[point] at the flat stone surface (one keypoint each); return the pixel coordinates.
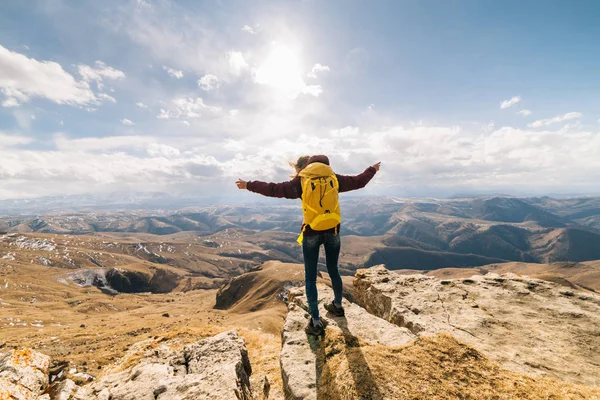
(526, 324)
(299, 360)
(357, 321)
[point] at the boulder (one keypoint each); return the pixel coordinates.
(63, 390)
(214, 368)
(23, 374)
(527, 325)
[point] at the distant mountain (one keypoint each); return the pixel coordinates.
(418, 259)
(505, 209)
(574, 245)
(109, 201)
(582, 210)
(502, 241)
(428, 233)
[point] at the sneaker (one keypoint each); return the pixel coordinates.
(335, 310)
(316, 330)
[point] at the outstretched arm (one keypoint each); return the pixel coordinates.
(348, 183)
(288, 190)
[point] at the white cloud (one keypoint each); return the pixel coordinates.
(23, 78)
(209, 82)
(234, 145)
(186, 108)
(488, 127)
(99, 73)
(13, 140)
(67, 170)
(106, 97)
(511, 102)
(126, 121)
(173, 72)
(11, 102)
(558, 118)
(99, 144)
(281, 71)
(524, 112)
(237, 62)
(449, 159)
(346, 132)
(248, 29)
(141, 105)
(186, 123)
(317, 68)
(162, 150)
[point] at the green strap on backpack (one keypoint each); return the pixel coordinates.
(320, 204)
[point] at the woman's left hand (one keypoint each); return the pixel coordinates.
(242, 184)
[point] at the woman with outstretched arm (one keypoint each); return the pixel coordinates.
(311, 170)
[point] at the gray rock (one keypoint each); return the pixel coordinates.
(528, 325)
(213, 368)
(357, 321)
(23, 374)
(298, 358)
(64, 390)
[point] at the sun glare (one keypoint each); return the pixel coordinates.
(281, 70)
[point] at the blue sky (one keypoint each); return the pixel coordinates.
(187, 96)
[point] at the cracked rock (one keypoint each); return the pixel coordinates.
(528, 325)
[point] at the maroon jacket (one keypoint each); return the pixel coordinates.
(293, 189)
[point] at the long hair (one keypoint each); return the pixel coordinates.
(301, 163)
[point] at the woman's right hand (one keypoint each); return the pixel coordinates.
(376, 166)
(241, 184)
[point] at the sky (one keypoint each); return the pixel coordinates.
(185, 97)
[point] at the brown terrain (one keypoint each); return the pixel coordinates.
(87, 299)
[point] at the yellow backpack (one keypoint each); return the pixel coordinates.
(320, 204)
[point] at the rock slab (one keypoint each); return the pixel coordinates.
(528, 325)
(300, 367)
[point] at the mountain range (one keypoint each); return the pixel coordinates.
(418, 234)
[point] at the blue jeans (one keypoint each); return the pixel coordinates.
(310, 249)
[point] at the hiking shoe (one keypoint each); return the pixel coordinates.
(316, 330)
(335, 310)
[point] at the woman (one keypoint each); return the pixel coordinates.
(312, 240)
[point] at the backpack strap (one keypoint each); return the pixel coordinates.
(300, 237)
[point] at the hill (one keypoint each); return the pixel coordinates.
(498, 228)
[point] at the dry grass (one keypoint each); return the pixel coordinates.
(436, 367)
(101, 334)
(263, 351)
